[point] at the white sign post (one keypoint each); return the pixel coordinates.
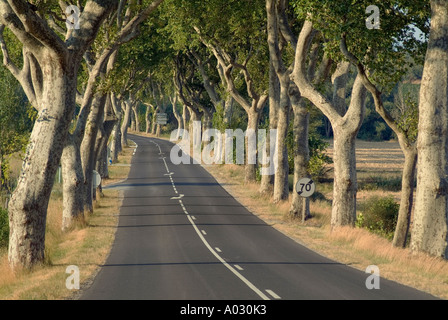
(96, 182)
(305, 187)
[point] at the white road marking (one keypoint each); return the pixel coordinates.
(228, 266)
(273, 294)
(238, 267)
(201, 234)
(217, 249)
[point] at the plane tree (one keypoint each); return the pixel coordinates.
(430, 223)
(380, 52)
(48, 73)
(234, 32)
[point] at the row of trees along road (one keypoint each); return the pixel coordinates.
(52, 55)
(230, 64)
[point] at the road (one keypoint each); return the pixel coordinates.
(182, 236)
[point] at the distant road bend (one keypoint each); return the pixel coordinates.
(182, 236)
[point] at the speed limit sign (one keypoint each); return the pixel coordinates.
(305, 187)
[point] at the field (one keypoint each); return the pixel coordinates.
(378, 167)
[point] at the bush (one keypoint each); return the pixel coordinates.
(379, 215)
(4, 228)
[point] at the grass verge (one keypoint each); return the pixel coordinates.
(86, 245)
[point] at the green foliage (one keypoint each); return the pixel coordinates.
(408, 117)
(379, 215)
(4, 228)
(317, 166)
(383, 51)
(238, 27)
(16, 120)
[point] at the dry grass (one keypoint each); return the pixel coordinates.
(86, 245)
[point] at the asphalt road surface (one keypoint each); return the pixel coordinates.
(182, 236)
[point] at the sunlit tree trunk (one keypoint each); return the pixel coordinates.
(430, 223)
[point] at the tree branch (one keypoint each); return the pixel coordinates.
(376, 94)
(299, 74)
(10, 20)
(285, 30)
(37, 27)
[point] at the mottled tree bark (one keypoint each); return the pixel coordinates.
(49, 78)
(300, 206)
(72, 184)
(407, 197)
(345, 125)
(430, 223)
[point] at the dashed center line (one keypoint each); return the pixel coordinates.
(273, 294)
(215, 251)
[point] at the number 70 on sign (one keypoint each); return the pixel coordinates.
(305, 187)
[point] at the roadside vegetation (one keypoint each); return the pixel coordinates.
(370, 242)
(86, 244)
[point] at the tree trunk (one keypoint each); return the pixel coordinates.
(178, 116)
(148, 118)
(300, 206)
(115, 147)
(102, 159)
(281, 183)
(136, 119)
(345, 130)
(430, 223)
(228, 109)
(73, 184)
(407, 197)
(267, 180)
(28, 206)
(125, 124)
(133, 122)
(88, 147)
(154, 121)
(185, 117)
(251, 156)
(345, 182)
